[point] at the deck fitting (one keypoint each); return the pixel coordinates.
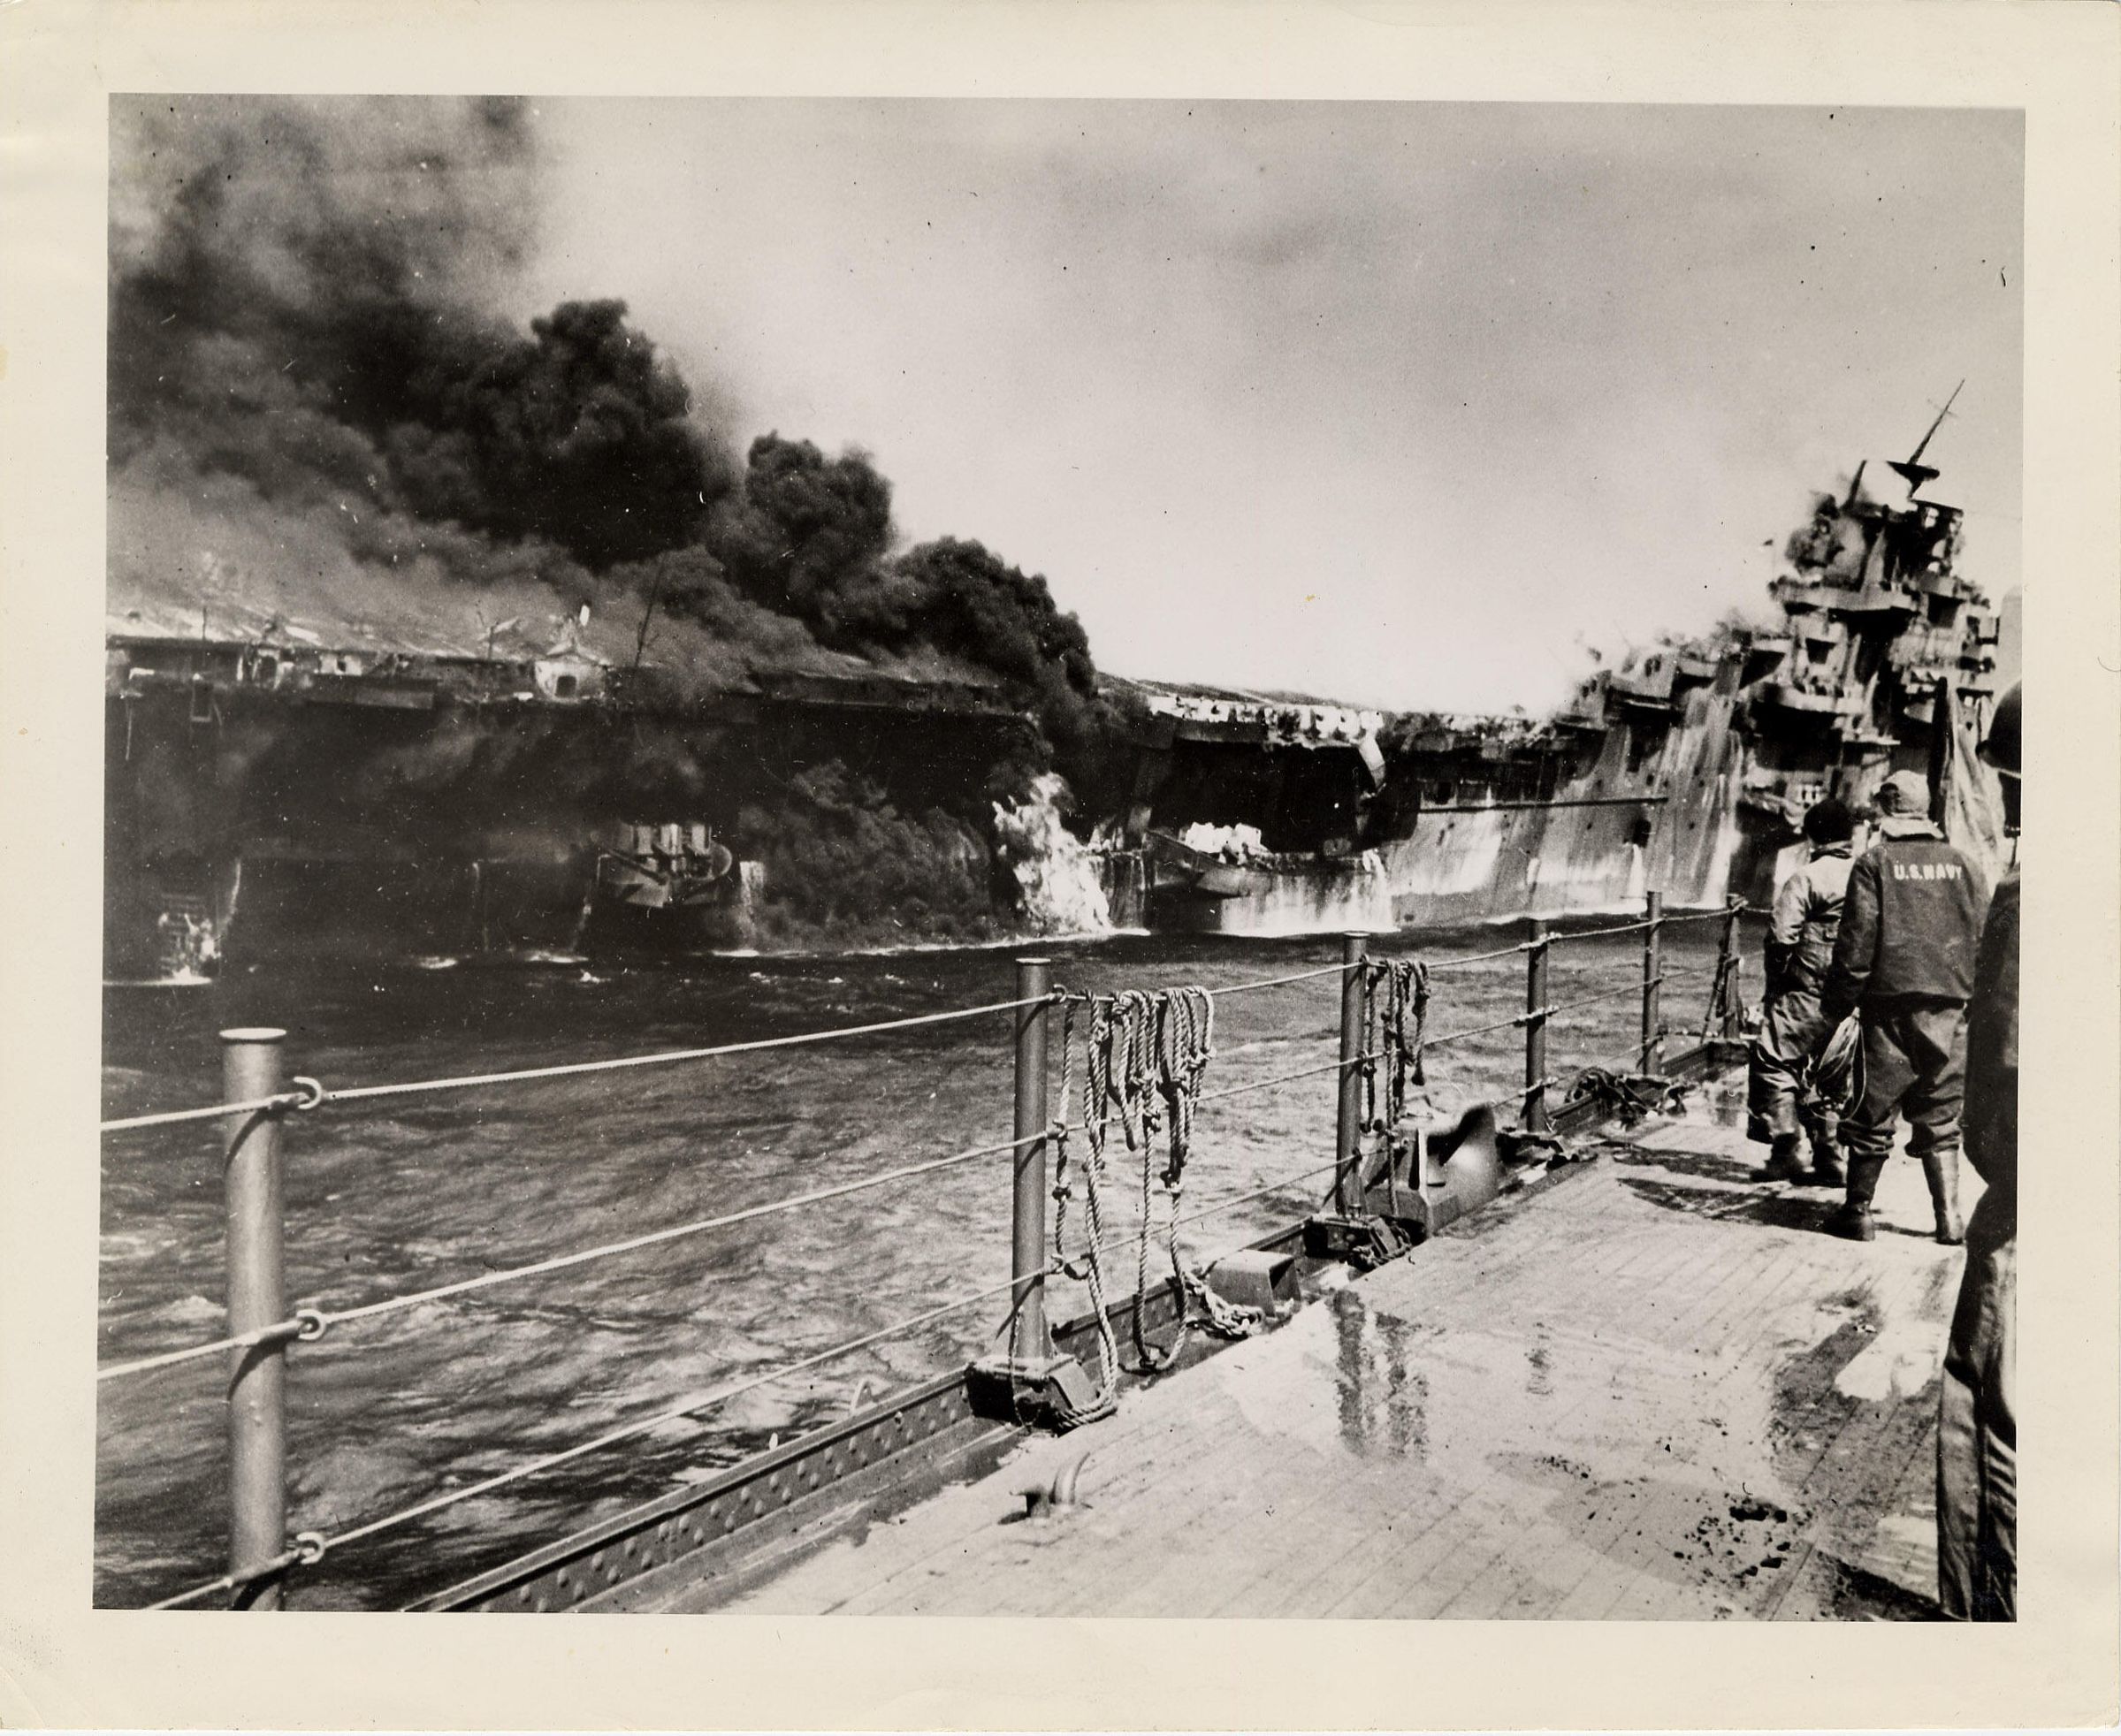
(1361, 1239)
(1043, 1392)
(1260, 1278)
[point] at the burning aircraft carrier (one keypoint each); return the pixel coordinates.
(434, 636)
(431, 637)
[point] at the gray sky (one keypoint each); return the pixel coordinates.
(1396, 402)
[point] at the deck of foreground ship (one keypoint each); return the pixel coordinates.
(1648, 1387)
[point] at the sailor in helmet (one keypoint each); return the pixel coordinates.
(1903, 960)
(1977, 1427)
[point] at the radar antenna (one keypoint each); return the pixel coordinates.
(1912, 466)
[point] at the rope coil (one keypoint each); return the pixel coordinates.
(1720, 992)
(1404, 1022)
(1145, 1056)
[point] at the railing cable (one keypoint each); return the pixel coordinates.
(1632, 986)
(1460, 964)
(1286, 1078)
(310, 1323)
(1277, 982)
(1449, 1038)
(563, 1070)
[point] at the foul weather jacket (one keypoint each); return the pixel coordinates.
(1806, 919)
(1909, 926)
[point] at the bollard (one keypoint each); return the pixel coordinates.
(252, 1066)
(1533, 1120)
(1734, 1002)
(1653, 1046)
(1347, 1145)
(1027, 1234)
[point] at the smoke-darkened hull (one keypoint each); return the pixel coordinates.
(258, 808)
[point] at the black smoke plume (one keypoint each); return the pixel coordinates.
(1833, 543)
(293, 303)
(314, 398)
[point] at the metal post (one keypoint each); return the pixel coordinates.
(1535, 1029)
(1031, 1342)
(1653, 1046)
(1734, 1020)
(253, 1066)
(1348, 1148)
(1030, 1383)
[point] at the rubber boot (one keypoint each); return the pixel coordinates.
(1782, 1164)
(1854, 1220)
(1941, 1170)
(1824, 1128)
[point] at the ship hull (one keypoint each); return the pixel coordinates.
(1602, 840)
(1320, 899)
(1201, 892)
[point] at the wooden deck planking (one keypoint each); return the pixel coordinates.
(1568, 1406)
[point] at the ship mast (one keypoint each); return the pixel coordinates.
(1912, 466)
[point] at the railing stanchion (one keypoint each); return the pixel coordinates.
(1535, 1029)
(1027, 1232)
(1030, 1382)
(253, 1066)
(1733, 1008)
(1347, 1145)
(1653, 1044)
